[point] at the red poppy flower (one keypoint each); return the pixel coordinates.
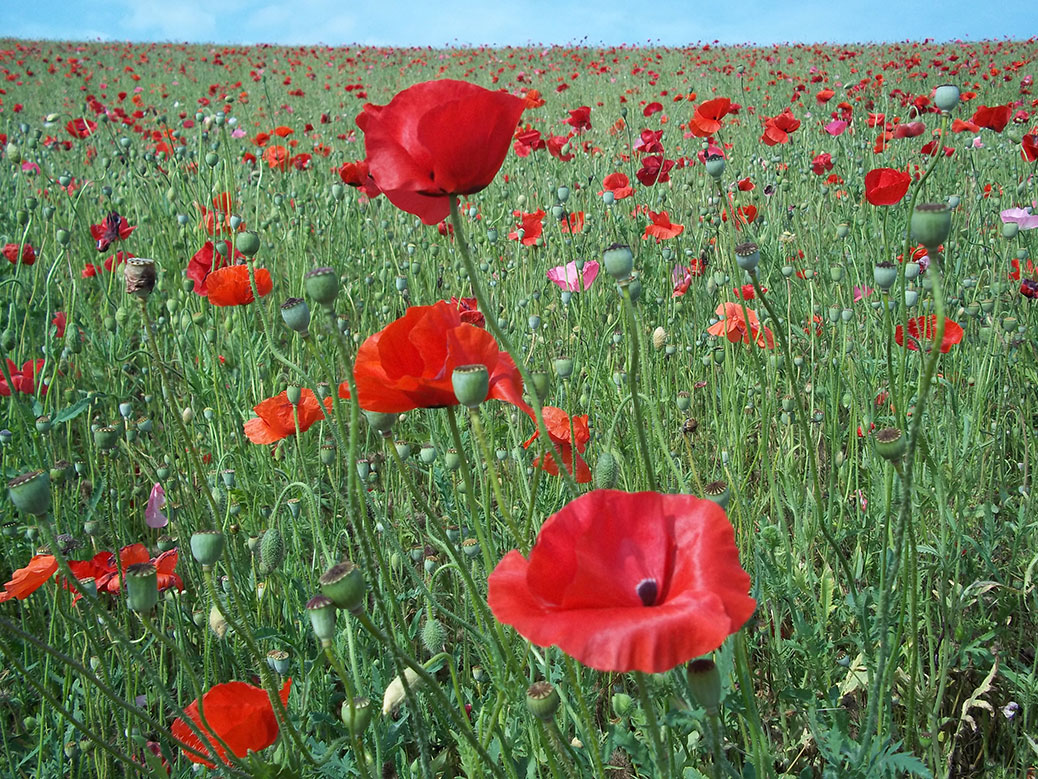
(993, 117)
(23, 379)
(27, 253)
(409, 363)
(356, 174)
(106, 573)
(909, 130)
(886, 186)
(435, 140)
(533, 99)
(778, 128)
(59, 321)
(470, 313)
(231, 286)
(960, 126)
(822, 164)
(25, 581)
(733, 326)
(574, 223)
(661, 228)
(650, 142)
(240, 714)
(921, 331)
(81, 128)
(652, 108)
(618, 184)
(204, 262)
(580, 118)
(112, 228)
(706, 120)
(744, 215)
(276, 416)
(558, 423)
(1029, 148)
(654, 170)
(555, 145)
(276, 157)
(283, 132)
(627, 581)
(218, 220)
(532, 227)
(824, 95)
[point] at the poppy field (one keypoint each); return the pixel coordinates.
(562, 412)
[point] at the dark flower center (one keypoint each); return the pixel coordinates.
(648, 591)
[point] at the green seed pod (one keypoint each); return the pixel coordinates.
(433, 636)
(322, 284)
(704, 681)
(248, 243)
(618, 260)
(607, 471)
(272, 552)
(356, 715)
(344, 585)
(471, 384)
(142, 587)
(931, 224)
(207, 546)
(30, 492)
(542, 700)
(884, 274)
(321, 610)
(891, 443)
(718, 492)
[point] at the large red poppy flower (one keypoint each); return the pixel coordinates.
(27, 255)
(231, 286)
(627, 581)
(435, 140)
(23, 379)
(558, 423)
(618, 184)
(706, 120)
(734, 327)
(921, 331)
(409, 363)
(993, 117)
(777, 128)
(238, 713)
(661, 228)
(102, 567)
(886, 186)
(275, 417)
(204, 262)
(25, 581)
(654, 170)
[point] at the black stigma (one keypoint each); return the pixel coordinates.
(648, 590)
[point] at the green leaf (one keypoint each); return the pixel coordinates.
(73, 411)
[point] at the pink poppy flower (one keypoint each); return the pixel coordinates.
(836, 127)
(565, 277)
(1020, 216)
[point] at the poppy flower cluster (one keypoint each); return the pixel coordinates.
(409, 364)
(568, 444)
(276, 417)
(240, 714)
(435, 140)
(627, 581)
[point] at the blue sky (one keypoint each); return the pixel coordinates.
(447, 22)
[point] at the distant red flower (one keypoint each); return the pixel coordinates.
(276, 417)
(409, 363)
(909, 130)
(81, 128)
(921, 331)
(204, 262)
(533, 99)
(27, 254)
(746, 292)
(661, 228)
(745, 215)
(240, 714)
(824, 95)
(113, 228)
(276, 157)
(654, 170)
(627, 581)
(283, 132)
(356, 174)
(1029, 148)
(531, 225)
(470, 313)
(706, 120)
(23, 379)
(25, 581)
(618, 184)
(59, 321)
(652, 108)
(822, 164)
(218, 220)
(573, 223)
(558, 423)
(435, 140)
(777, 128)
(993, 117)
(580, 118)
(649, 142)
(886, 186)
(555, 145)
(231, 286)
(745, 185)
(733, 326)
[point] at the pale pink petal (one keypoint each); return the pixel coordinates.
(153, 516)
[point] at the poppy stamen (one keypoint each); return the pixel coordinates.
(648, 591)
